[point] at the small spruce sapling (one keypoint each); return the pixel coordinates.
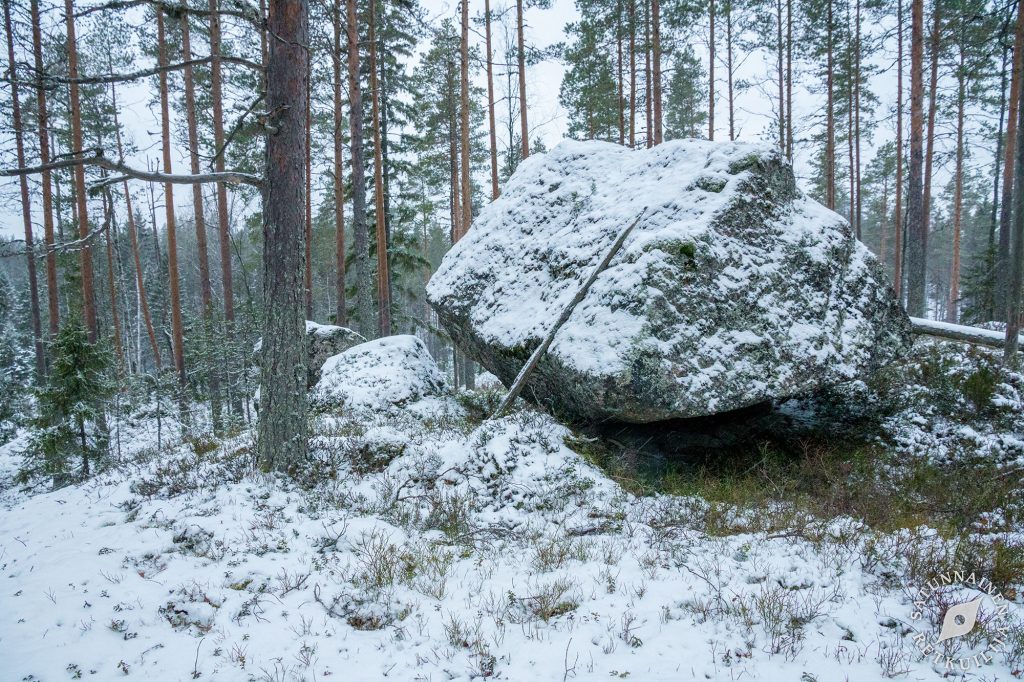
(71, 423)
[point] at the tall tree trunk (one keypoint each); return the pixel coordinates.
(1002, 264)
(656, 49)
(621, 77)
(340, 315)
(958, 189)
(917, 233)
(851, 159)
(648, 86)
(856, 117)
(383, 289)
(108, 228)
(933, 94)
(789, 80)
(282, 444)
(711, 72)
(883, 222)
(177, 331)
(521, 39)
(308, 146)
(897, 222)
(467, 188)
(632, 74)
(1014, 312)
(85, 253)
(199, 211)
(223, 225)
(360, 230)
(490, 102)
(990, 257)
(782, 85)
(42, 122)
(830, 114)
(26, 206)
(729, 70)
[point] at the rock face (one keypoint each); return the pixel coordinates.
(322, 341)
(734, 289)
(394, 370)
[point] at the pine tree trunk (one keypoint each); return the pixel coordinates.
(990, 254)
(958, 191)
(199, 211)
(490, 102)
(632, 74)
(779, 58)
(42, 122)
(933, 94)
(621, 76)
(26, 206)
(856, 119)
(789, 80)
(883, 222)
(711, 72)
(108, 227)
(729, 69)
(177, 331)
(656, 49)
(308, 147)
(648, 86)
(360, 230)
(1002, 264)
(521, 38)
(1014, 312)
(917, 234)
(85, 253)
(383, 288)
(341, 314)
(224, 227)
(897, 222)
(283, 442)
(467, 188)
(830, 115)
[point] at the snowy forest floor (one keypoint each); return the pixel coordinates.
(427, 543)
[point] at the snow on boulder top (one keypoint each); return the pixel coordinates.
(394, 370)
(733, 289)
(322, 341)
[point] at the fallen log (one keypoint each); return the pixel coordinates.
(958, 332)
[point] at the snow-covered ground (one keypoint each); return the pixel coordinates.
(429, 545)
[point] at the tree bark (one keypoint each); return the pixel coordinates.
(632, 74)
(917, 233)
(467, 188)
(490, 102)
(520, 37)
(621, 77)
(26, 206)
(711, 72)
(1002, 262)
(830, 122)
(42, 122)
(958, 190)
(779, 59)
(177, 331)
(223, 225)
(729, 70)
(341, 314)
(283, 429)
(108, 229)
(383, 276)
(199, 211)
(656, 49)
(897, 222)
(360, 232)
(856, 118)
(308, 147)
(789, 80)
(85, 254)
(933, 94)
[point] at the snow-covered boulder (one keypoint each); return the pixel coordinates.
(735, 288)
(322, 341)
(394, 370)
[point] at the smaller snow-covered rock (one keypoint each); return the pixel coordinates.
(394, 370)
(322, 342)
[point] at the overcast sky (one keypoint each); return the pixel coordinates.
(755, 106)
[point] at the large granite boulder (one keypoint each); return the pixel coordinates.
(734, 289)
(322, 342)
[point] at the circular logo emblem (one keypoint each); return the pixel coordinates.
(959, 602)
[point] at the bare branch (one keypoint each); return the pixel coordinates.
(101, 161)
(134, 75)
(241, 9)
